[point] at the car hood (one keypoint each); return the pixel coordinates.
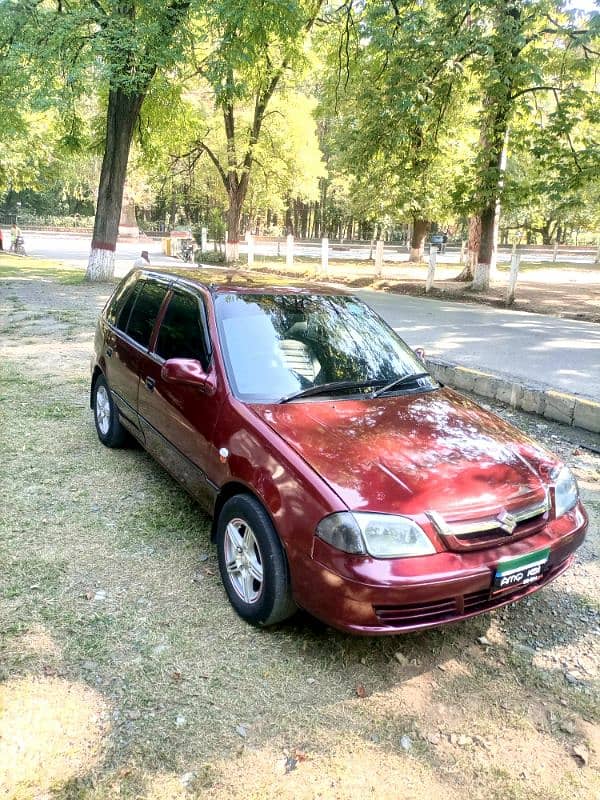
(435, 451)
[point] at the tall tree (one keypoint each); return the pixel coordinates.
(137, 38)
(117, 45)
(394, 98)
(246, 51)
(529, 47)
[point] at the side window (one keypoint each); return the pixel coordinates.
(123, 292)
(181, 334)
(145, 311)
(125, 310)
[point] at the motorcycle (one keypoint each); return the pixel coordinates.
(18, 246)
(187, 250)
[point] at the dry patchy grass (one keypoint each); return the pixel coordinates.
(125, 673)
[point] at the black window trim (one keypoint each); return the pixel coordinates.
(111, 300)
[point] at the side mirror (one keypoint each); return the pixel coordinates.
(190, 372)
(420, 353)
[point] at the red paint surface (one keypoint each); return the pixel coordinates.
(399, 454)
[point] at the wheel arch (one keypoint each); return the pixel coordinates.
(95, 375)
(226, 492)
(231, 489)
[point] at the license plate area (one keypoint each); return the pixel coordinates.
(520, 571)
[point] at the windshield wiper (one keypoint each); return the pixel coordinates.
(328, 388)
(400, 382)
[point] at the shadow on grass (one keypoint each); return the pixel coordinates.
(28, 268)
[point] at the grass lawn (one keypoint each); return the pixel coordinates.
(125, 673)
(26, 267)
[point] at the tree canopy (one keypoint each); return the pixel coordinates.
(344, 119)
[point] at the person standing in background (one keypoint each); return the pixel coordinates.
(15, 233)
(143, 260)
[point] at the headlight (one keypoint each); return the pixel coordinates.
(379, 535)
(566, 493)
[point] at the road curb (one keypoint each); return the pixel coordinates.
(562, 407)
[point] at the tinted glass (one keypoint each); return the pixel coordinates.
(129, 303)
(145, 310)
(180, 334)
(116, 304)
(275, 345)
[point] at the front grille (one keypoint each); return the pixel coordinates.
(416, 613)
(473, 541)
(413, 615)
(478, 533)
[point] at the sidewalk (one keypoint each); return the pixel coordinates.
(541, 364)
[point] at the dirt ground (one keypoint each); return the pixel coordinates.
(125, 673)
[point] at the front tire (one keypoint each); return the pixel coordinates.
(252, 563)
(108, 426)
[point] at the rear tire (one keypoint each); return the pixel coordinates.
(252, 563)
(108, 426)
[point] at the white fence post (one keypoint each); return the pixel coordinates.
(555, 253)
(431, 269)
(379, 257)
(204, 239)
(289, 251)
(324, 255)
(250, 240)
(515, 262)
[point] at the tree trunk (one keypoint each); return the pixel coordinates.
(289, 217)
(122, 114)
(474, 238)
(234, 215)
(323, 226)
(545, 231)
(305, 211)
(487, 249)
(494, 140)
(417, 241)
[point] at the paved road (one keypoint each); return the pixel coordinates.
(535, 349)
(74, 249)
(549, 352)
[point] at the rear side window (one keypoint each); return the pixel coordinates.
(181, 334)
(120, 298)
(125, 310)
(144, 312)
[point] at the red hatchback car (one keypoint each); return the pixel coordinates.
(341, 477)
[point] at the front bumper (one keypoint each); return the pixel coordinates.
(376, 597)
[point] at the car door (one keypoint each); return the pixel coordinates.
(127, 343)
(178, 419)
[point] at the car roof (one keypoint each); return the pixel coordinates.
(224, 279)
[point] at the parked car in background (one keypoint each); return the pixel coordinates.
(438, 240)
(341, 476)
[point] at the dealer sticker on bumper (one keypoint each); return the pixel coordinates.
(521, 570)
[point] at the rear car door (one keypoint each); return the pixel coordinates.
(178, 420)
(127, 343)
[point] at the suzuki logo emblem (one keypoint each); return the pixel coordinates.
(507, 522)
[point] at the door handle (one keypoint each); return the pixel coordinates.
(109, 351)
(150, 384)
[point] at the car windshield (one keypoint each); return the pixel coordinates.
(277, 345)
